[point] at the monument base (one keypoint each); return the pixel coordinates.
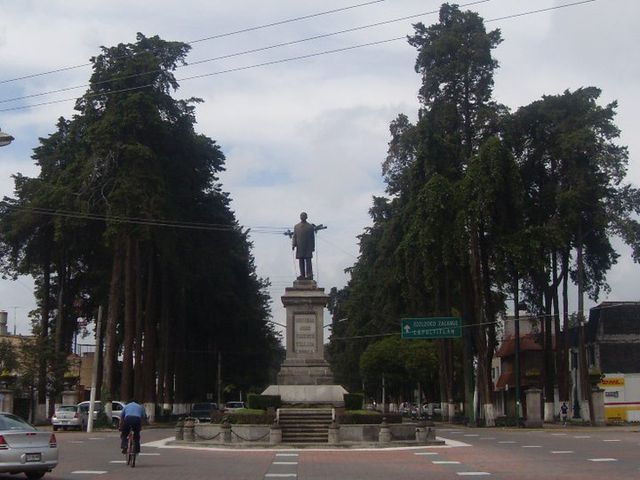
(308, 394)
(305, 372)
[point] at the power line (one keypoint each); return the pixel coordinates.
(222, 35)
(285, 60)
(237, 54)
(218, 227)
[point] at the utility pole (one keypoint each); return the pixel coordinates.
(94, 372)
(219, 379)
(582, 353)
(516, 366)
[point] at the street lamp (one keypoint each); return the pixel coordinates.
(5, 139)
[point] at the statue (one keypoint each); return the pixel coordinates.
(303, 240)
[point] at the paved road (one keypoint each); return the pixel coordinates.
(572, 453)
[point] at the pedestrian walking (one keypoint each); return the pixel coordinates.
(563, 413)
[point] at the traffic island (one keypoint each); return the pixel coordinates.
(347, 436)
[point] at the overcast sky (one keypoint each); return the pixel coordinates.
(308, 134)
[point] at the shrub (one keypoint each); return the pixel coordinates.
(360, 417)
(263, 402)
(244, 417)
(353, 401)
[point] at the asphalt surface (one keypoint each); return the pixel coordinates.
(551, 453)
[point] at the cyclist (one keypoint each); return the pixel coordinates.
(131, 419)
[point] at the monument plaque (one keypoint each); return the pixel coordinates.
(304, 333)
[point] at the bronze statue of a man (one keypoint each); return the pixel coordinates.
(304, 242)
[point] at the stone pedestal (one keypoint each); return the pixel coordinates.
(305, 363)
(305, 376)
(534, 413)
(70, 397)
(597, 396)
(6, 401)
(275, 434)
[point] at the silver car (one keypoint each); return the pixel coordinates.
(69, 416)
(25, 449)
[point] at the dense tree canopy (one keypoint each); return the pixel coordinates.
(127, 212)
(484, 204)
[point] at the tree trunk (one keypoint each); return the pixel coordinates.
(565, 324)
(180, 355)
(44, 324)
(113, 314)
(163, 357)
(556, 329)
(150, 336)
(129, 322)
(138, 387)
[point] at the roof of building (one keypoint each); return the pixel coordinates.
(529, 342)
(617, 318)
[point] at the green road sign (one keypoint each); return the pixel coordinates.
(432, 327)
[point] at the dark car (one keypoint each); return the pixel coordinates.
(202, 411)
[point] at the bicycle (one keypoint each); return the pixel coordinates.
(131, 450)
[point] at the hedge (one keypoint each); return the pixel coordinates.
(362, 417)
(353, 401)
(263, 402)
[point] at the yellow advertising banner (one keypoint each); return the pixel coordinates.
(612, 382)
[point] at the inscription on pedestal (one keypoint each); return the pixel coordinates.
(304, 340)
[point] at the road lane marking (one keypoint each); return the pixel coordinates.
(582, 436)
(281, 475)
(558, 434)
(149, 454)
(76, 441)
(602, 459)
(118, 461)
(96, 438)
(472, 474)
(286, 454)
(284, 463)
(452, 443)
(562, 451)
(426, 453)
(445, 462)
(507, 441)
(89, 472)
(487, 438)
(531, 446)
(611, 440)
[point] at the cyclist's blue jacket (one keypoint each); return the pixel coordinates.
(133, 409)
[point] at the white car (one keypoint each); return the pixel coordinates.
(233, 406)
(69, 416)
(116, 410)
(25, 449)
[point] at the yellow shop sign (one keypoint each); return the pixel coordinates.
(612, 382)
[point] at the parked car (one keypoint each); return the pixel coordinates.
(25, 449)
(116, 410)
(69, 416)
(202, 411)
(432, 409)
(233, 406)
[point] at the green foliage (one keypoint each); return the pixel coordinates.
(364, 417)
(129, 169)
(244, 417)
(8, 360)
(353, 401)
(479, 200)
(263, 402)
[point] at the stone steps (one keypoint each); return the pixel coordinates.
(305, 425)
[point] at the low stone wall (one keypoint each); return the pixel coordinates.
(371, 433)
(213, 433)
(237, 433)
